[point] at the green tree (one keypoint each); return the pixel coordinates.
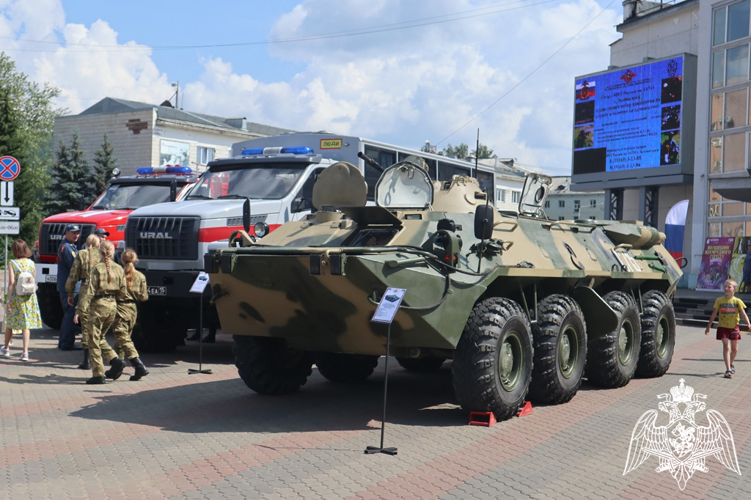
(71, 179)
(28, 119)
(104, 163)
(485, 152)
(460, 151)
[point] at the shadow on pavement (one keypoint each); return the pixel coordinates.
(229, 406)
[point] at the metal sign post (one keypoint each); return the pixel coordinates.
(199, 285)
(385, 313)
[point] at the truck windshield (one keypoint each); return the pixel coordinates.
(130, 197)
(258, 183)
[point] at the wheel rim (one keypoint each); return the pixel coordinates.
(510, 361)
(568, 351)
(625, 342)
(662, 336)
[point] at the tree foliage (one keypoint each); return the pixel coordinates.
(72, 181)
(28, 117)
(104, 164)
(462, 151)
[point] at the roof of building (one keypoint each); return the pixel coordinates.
(562, 185)
(111, 105)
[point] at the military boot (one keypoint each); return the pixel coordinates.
(96, 380)
(141, 370)
(85, 363)
(117, 365)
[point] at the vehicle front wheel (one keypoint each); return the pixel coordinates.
(345, 368)
(268, 366)
(492, 365)
(49, 305)
(657, 335)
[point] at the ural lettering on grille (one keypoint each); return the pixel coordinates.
(163, 238)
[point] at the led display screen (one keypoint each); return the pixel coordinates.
(629, 118)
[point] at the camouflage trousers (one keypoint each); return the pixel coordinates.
(125, 320)
(83, 318)
(101, 316)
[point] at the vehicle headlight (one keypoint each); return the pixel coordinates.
(261, 229)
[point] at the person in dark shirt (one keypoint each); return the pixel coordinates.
(66, 255)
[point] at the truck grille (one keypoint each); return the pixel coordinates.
(163, 238)
(53, 233)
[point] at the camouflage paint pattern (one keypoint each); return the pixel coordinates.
(81, 270)
(127, 313)
(268, 288)
(102, 307)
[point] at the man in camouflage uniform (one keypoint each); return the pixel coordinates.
(81, 270)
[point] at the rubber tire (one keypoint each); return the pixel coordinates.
(476, 377)
(555, 314)
(428, 364)
(658, 308)
(158, 329)
(604, 368)
(345, 368)
(267, 366)
(49, 305)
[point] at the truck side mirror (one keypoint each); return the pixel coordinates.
(246, 215)
(173, 190)
(484, 222)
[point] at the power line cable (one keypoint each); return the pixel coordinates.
(529, 74)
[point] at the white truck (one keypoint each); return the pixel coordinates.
(276, 174)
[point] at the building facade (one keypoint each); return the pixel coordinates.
(563, 203)
(147, 135)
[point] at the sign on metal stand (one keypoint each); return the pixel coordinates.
(385, 313)
(199, 285)
(9, 170)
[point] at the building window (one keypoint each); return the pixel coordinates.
(718, 69)
(737, 20)
(561, 203)
(716, 118)
(736, 65)
(591, 217)
(205, 155)
(735, 108)
(547, 203)
(719, 26)
(515, 195)
(577, 205)
(592, 203)
(734, 154)
(560, 217)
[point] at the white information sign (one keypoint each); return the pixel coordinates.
(6, 194)
(390, 303)
(199, 285)
(10, 227)
(10, 213)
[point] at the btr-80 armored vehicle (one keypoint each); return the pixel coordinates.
(519, 302)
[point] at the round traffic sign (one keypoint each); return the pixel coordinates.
(9, 168)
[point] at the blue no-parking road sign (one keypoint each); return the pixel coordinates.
(9, 168)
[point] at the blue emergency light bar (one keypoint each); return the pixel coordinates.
(169, 169)
(299, 150)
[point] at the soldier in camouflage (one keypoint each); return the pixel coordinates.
(85, 261)
(106, 281)
(125, 318)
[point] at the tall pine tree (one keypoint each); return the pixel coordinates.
(71, 179)
(104, 163)
(28, 117)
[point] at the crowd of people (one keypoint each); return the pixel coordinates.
(95, 292)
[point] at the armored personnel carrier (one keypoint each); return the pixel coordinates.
(524, 306)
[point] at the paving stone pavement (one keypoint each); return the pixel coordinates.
(175, 435)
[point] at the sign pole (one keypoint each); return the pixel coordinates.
(5, 286)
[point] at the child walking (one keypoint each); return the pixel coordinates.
(729, 309)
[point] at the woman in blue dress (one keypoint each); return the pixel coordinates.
(22, 311)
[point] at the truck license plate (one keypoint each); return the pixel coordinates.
(157, 290)
(50, 279)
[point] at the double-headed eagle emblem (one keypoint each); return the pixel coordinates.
(682, 446)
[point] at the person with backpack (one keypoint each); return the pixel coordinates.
(22, 307)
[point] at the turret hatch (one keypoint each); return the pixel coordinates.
(534, 194)
(404, 185)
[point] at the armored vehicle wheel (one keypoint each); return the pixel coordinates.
(560, 345)
(493, 361)
(268, 366)
(657, 335)
(49, 305)
(612, 357)
(421, 364)
(345, 368)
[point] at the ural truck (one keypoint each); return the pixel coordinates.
(109, 211)
(525, 306)
(276, 174)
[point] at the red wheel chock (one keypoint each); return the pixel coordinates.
(484, 418)
(525, 410)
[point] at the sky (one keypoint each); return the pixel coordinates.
(398, 71)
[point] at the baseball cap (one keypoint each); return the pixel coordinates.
(100, 231)
(75, 228)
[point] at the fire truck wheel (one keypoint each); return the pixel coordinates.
(49, 305)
